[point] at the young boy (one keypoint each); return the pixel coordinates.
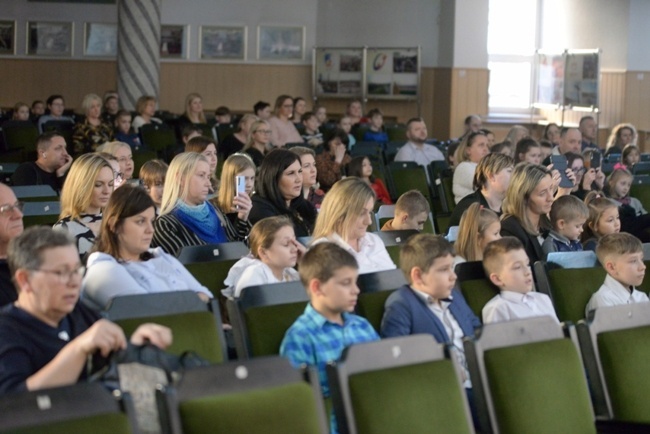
(326, 327)
(507, 266)
(568, 217)
(376, 132)
(223, 115)
(152, 175)
(312, 136)
(411, 212)
(621, 254)
(429, 303)
(123, 131)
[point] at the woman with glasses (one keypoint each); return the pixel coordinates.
(236, 141)
(283, 129)
(122, 152)
(258, 141)
(86, 192)
(122, 262)
(47, 336)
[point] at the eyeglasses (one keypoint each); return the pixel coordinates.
(263, 131)
(8, 209)
(65, 276)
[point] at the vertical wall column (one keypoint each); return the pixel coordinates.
(138, 52)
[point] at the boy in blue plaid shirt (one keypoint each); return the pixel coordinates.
(326, 327)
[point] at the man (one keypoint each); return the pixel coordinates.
(56, 106)
(570, 141)
(11, 225)
(51, 165)
(415, 149)
(589, 130)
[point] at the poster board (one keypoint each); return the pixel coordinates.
(392, 73)
(338, 72)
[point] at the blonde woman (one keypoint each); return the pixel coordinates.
(234, 166)
(186, 217)
(193, 109)
(344, 218)
(237, 141)
(122, 152)
(621, 136)
(86, 191)
(258, 142)
(93, 132)
(467, 156)
(146, 108)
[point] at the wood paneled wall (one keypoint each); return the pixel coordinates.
(469, 95)
(637, 99)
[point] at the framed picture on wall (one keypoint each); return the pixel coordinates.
(173, 42)
(49, 39)
(100, 40)
(222, 42)
(7, 37)
(280, 43)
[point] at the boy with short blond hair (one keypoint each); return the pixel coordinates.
(508, 267)
(621, 255)
(568, 216)
(411, 212)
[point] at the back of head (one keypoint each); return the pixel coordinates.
(125, 202)
(263, 233)
(181, 168)
(322, 261)
(77, 191)
(473, 223)
(270, 172)
(494, 251)
(421, 250)
(303, 150)
(412, 203)
(568, 208)
(342, 206)
(199, 144)
(153, 171)
(613, 245)
(490, 165)
(26, 250)
(112, 147)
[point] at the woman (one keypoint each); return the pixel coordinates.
(330, 163)
(186, 218)
(283, 130)
(86, 191)
(299, 109)
(258, 141)
(344, 218)
(235, 142)
(235, 165)
(122, 152)
(278, 191)
(525, 209)
(193, 113)
(354, 111)
(309, 173)
(205, 146)
(122, 262)
(516, 133)
(111, 107)
(93, 132)
(470, 151)
(146, 108)
(491, 181)
(552, 133)
(20, 112)
(622, 135)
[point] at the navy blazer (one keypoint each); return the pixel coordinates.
(406, 313)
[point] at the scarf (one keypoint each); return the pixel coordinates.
(202, 220)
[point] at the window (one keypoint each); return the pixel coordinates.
(512, 41)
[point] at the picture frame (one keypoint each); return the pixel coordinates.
(48, 38)
(7, 37)
(100, 39)
(280, 43)
(173, 41)
(222, 43)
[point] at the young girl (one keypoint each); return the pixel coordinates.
(361, 167)
(528, 150)
(629, 157)
(274, 253)
(236, 165)
(478, 226)
(603, 219)
(619, 183)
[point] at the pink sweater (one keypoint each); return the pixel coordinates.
(283, 132)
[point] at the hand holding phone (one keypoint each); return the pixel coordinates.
(560, 164)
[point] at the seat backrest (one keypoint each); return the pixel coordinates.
(157, 137)
(20, 134)
(213, 252)
(527, 375)
(445, 188)
(475, 285)
(376, 381)
(41, 213)
(395, 238)
(375, 289)
(584, 259)
(34, 193)
(262, 314)
(263, 395)
(386, 211)
(408, 175)
(616, 348)
(83, 407)
(641, 192)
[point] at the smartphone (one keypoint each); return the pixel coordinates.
(241, 184)
(560, 164)
(595, 160)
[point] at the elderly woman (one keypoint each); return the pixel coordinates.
(93, 132)
(122, 262)
(237, 141)
(122, 153)
(283, 129)
(344, 218)
(146, 108)
(187, 218)
(46, 336)
(86, 192)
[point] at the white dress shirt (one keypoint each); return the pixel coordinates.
(613, 293)
(423, 156)
(372, 255)
(510, 305)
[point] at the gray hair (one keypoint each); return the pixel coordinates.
(25, 251)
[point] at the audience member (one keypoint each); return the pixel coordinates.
(124, 132)
(111, 107)
(344, 217)
(222, 115)
(361, 167)
(568, 217)
(11, 225)
(55, 107)
(621, 255)
(299, 109)
(235, 166)
(589, 130)
(552, 133)
(490, 136)
(629, 158)
(189, 132)
(472, 124)
(118, 179)
(152, 176)
(37, 110)
(124, 155)
(547, 148)
(205, 146)
(85, 194)
(262, 110)
(20, 112)
(311, 136)
(470, 151)
(332, 160)
(283, 130)
(603, 219)
(146, 108)
(321, 115)
(570, 141)
(345, 123)
(415, 149)
(47, 337)
(478, 227)
(411, 212)
(310, 191)
(621, 136)
(508, 268)
(529, 151)
(51, 165)
(235, 142)
(258, 142)
(93, 132)
(193, 113)
(515, 134)
(376, 132)
(354, 111)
